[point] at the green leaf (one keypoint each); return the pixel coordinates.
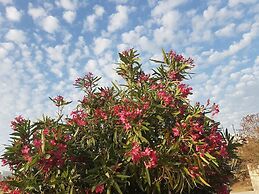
(206, 161)
(122, 176)
(148, 177)
(117, 187)
(158, 187)
(203, 181)
(210, 156)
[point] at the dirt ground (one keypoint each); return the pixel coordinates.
(243, 185)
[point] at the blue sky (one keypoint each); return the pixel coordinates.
(46, 45)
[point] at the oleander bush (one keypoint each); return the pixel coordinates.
(143, 136)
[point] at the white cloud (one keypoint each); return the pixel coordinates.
(69, 16)
(3, 52)
(236, 46)
(244, 27)
(119, 1)
(225, 13)
(13, 14)
(168, 23)
(257, 60)
(90, 66)
(119, 19)
(17, 36)
(56, 53)
(132, 36)
(90, 21)
(209, 13)
(5, 2)
(67, 4)
(227, 31)
(233, 3)
(164, 6)
(50, 24)
(36, 13)
(5, 48)
(136, 38)
(101, 44)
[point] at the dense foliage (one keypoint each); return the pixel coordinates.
(143, 136)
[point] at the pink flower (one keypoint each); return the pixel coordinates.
(27, 158)
(17, 121)
(176, 132)
(152, 162)
(223, 151)
(16, 191)
(143, 77)
(135, 153)
(53, 142)
(215, 109)
(174, 76)
(4, 187)
(127, 52)
(85, 82)
(37, 143)
(167, 98)
(25, 150)
(180, 59)
(46, 131)
(62, 148)
(79, 117)
(149, 154)
(59, 101)
(194, 171)
(99, 188)
(100, 114)
(127, 126)
(4, 162)
(185, 90)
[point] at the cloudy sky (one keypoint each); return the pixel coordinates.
(46, 45)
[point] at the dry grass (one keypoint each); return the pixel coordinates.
(249, 154)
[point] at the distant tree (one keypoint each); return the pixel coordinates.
(250, 125)
(249, 152)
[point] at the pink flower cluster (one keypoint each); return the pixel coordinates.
(26, 153)
(99, 113)
(59, 101)
(180, 58)
(17, 121)
(6, 189)
(165, 97)
(127, 52)
(78, 117)
(127, 113)
(55, 148)
(174, 76)
(215, 109)
(149, 154)
(185, 90)
(215, 143)
(54, 158)
(85, 82)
